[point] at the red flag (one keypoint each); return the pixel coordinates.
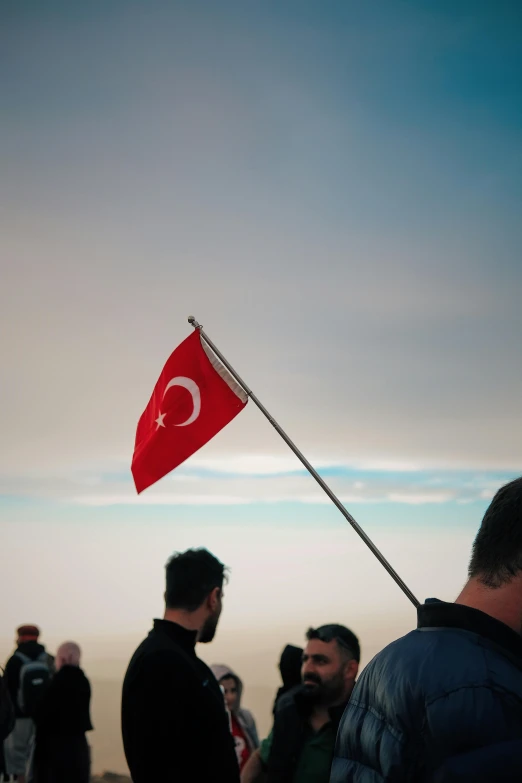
(194, 398)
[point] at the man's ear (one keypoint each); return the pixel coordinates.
(213, 599)
(352, 669)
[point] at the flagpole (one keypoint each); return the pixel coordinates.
(324, 486)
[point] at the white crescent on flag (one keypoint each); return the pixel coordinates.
(192, 387)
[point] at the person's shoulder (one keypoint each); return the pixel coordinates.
(155, 656)
(402, 659)
(149, 654)
(287, 700)
(291, 704)
(71, 676)
(13, 663)
(246, 715)
(431, 662)
(407, 650)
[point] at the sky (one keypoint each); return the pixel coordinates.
(334, 190)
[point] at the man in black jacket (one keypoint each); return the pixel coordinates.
(174, 723)
(301, 744)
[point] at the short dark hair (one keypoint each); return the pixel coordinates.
(497, 550)
(190, 577)
(345, 638)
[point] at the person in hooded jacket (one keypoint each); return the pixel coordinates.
(242, 723)
(62, 754)
(290, 667)
(18, 745)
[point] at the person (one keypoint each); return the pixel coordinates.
(7, 720)
(62, 719)
(242, 722)
(290, 669)
(174, 722)
(445, 701)
(300, 746)
(27, 674)
(7, 711)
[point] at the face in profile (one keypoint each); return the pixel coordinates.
(215, 604)
(327, 674)
(230, 691)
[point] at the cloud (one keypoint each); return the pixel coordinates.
(165, 499)
(487, 494)
(420, 498)
(251, 464)
(250, 479)
(169, 499)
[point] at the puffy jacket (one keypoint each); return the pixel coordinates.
(499, 763)
(437, 705)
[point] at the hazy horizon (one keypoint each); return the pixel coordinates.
(254, 660)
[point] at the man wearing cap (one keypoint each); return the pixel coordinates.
(301, 744)
(18, 744)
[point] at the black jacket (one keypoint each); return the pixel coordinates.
(174, 724)
(443, 703)
(12, 670)
(289, 733)
(65, 706)
(7, 713)
(62, 719)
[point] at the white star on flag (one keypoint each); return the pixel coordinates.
(159, 421)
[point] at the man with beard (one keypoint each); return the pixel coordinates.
(301, 744)
(174, 722)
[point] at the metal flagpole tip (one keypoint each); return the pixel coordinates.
(192, 321)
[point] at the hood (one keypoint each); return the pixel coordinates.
(32, 649)
(290, 665)
(221, 671)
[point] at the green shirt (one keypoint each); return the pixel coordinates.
(316, 756)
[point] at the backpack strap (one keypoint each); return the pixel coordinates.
(24, 658)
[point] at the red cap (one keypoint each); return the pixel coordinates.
(28, 632)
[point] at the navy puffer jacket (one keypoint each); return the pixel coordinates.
(440, 704)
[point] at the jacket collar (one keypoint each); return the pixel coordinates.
(439, 614)
(305, 706)
(182, 636)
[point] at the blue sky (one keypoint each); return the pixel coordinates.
(334, 190)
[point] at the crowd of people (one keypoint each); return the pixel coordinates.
(44, 713)
(442, 704)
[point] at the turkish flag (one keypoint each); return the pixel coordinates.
(194, 398)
